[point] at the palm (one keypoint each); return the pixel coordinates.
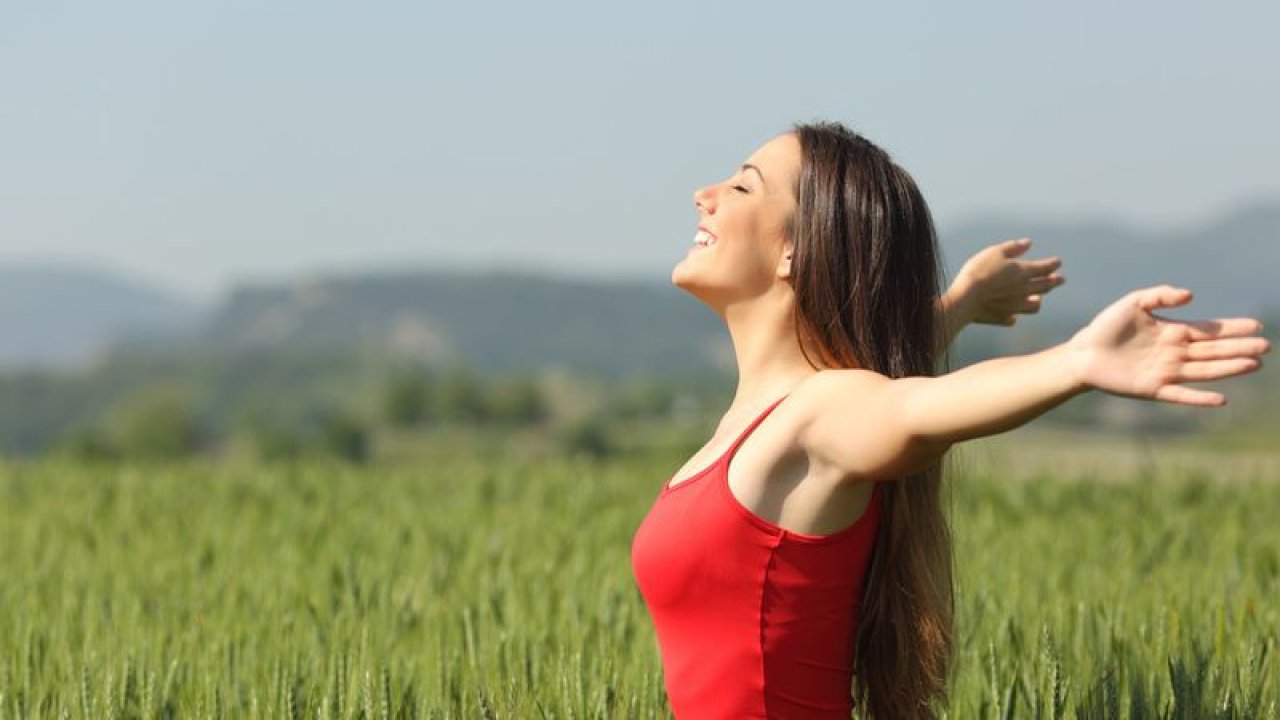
(1130, 351)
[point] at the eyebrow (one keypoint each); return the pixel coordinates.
(749, 166)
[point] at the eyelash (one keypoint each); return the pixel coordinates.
(739, 188)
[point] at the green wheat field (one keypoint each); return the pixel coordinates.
(502, 589)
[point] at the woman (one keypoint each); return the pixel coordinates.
(811, 557)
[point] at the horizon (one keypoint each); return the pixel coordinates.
(657, 274)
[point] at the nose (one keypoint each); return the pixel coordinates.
(701, 197)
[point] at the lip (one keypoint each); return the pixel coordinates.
(704, 229)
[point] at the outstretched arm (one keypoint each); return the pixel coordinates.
(871, 426)
(993, 287)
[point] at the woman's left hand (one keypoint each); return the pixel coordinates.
(1130, 351)
(994, 286)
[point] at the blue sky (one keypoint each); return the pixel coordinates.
(198, 147)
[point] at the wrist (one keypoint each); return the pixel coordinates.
(1074, 358)
(957, 302)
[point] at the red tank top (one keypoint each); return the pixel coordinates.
(752, 620)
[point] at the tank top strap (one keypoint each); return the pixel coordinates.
(752, 426)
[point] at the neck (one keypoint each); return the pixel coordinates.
(770, 363)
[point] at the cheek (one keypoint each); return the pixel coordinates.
(747, 258)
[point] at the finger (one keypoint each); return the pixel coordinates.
(1163, 296)
(1014, 248)
(1226, 349)
(1031, 304)
(1041, 266)
(1216, 369)
(1044, 284)
(1190, 396)
(1221, 328)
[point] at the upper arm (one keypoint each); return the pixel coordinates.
(858, 422)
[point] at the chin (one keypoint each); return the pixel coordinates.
(690, 283)
(681, 276)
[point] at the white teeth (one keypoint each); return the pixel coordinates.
(704, 239)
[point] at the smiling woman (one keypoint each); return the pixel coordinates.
(746, 206)
(801, 560)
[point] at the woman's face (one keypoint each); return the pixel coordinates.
(741, 250)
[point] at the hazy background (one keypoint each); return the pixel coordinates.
(194, 146)
(249, 219)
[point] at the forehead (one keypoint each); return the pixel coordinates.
(778, 160)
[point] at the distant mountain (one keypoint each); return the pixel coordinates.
(491, 321)
(505, 320)
(56, 316)
(514, 320)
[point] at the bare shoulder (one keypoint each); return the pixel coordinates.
(825, 390)
(843, 418)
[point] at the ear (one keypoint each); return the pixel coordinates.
(784, 260)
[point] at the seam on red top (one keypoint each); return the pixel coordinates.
(764, 585)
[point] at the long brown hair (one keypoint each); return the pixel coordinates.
(865, 273)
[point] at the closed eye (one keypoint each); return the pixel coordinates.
(739, 188)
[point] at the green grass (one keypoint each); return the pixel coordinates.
(458, 589)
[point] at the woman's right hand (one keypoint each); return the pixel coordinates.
(995, 285)
(1128, 350)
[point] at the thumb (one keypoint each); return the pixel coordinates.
(1163, 296)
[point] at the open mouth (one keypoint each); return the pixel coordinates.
(704, 239)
